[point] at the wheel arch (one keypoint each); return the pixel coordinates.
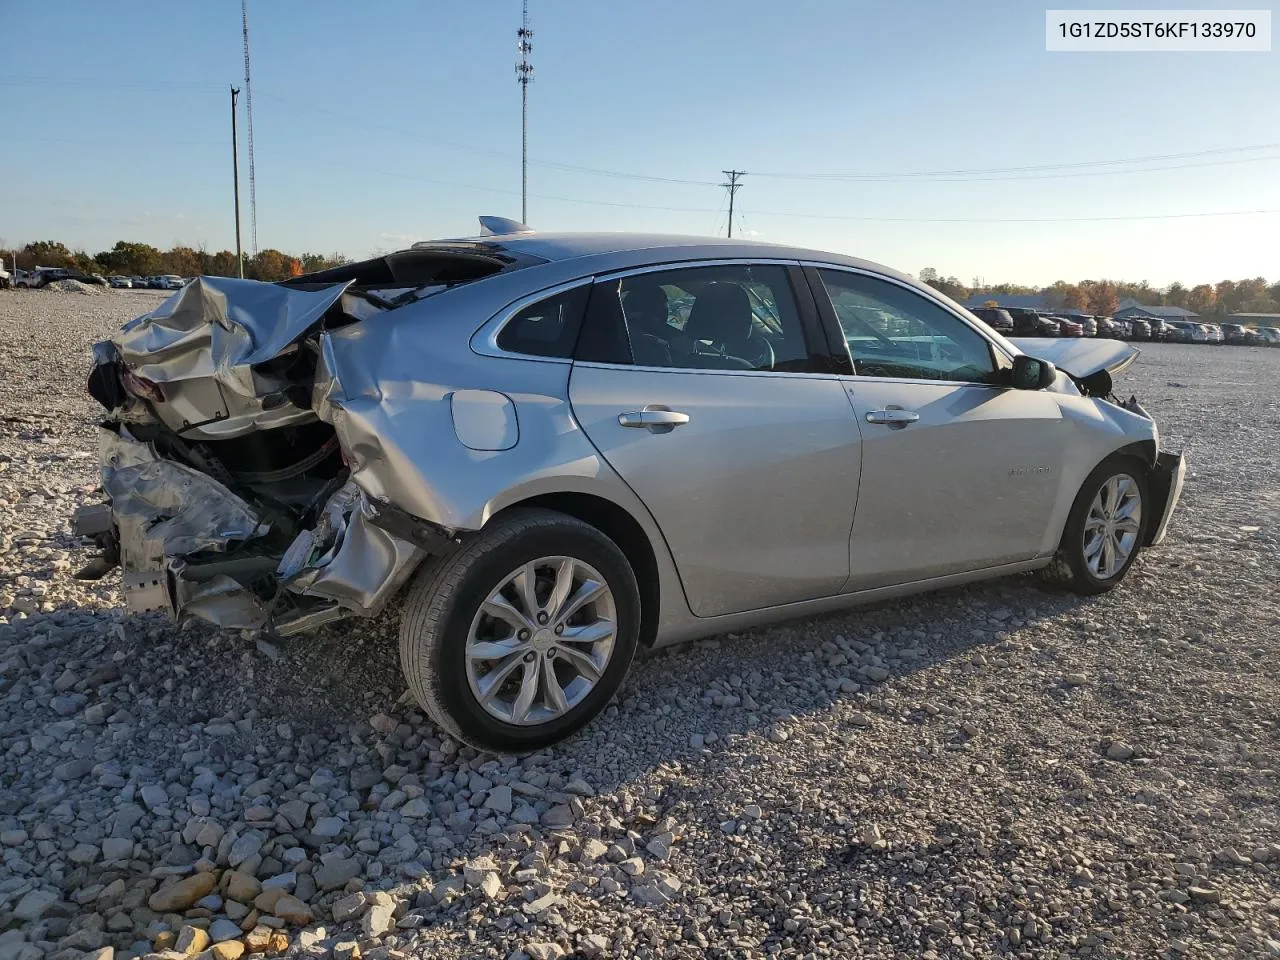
(618, 524)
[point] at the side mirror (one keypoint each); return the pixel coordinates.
(1028, 373)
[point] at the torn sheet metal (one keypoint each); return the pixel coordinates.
(166, 509)
(201, 347)
(347, 558)
(219, 600)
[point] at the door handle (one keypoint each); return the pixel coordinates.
(654, 420)
(893, 416)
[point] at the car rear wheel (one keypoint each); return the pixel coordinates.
(525, 633)
(1104, 530)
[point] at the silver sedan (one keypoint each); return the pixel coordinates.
(551, 449)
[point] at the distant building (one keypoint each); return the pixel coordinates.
(1132, 308)
(1256, 319)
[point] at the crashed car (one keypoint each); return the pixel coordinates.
(551, 449)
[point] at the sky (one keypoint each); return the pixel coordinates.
(382, 123)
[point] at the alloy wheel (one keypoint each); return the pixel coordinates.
(1112, 526)
(541, 640)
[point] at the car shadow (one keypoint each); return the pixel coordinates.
(326, 686)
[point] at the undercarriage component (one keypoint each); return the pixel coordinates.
(347, 557)
(146, 591)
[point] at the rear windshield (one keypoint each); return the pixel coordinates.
(426, 265)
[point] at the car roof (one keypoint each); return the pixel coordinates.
(563, 246)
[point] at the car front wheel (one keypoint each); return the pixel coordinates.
(522, 635)
(1105, 528)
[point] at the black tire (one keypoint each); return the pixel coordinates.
(442, 602)
(1069, 568)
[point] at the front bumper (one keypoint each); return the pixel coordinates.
(1165, 488)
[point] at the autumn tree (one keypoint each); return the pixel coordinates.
(1065, 296)
(184, 261)
(47, 253)
(271, 264)
(313, 262)
(1176, 295)
(1102, 298)
(222, 264)
(132, 259)
(1202, 299)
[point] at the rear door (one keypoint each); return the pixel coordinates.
(698, 385)
(958, 472)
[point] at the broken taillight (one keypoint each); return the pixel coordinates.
(141, 386)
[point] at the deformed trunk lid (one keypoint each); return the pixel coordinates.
(202, 344)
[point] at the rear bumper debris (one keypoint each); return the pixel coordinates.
(191, 547)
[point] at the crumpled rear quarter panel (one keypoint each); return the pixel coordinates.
(386, 388)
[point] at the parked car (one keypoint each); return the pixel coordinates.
(996, 318)
(120, 282)
(329, 447)
(1029, 323)
(6, 279)
(1068, 327)
(22, 278)
(1088, 324)
(48, 275)
(170, 282)
(1270, 335)
(1110, 329)
(1239, 335)
(1139, 329)
(1195, 332)
(1160, 329)
(138, 282)
(1215, 332)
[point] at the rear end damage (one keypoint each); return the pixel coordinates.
(228, 498)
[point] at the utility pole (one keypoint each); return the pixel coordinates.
(235, 174)
(524, 74)
(732, 186)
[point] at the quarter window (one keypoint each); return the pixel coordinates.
(733, 317)
(548, 328)
(892, 331)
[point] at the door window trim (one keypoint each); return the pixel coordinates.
(831, 323)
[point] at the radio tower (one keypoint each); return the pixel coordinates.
(524, 74)
(248, 108)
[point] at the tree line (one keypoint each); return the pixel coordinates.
(1102, 297)
(143, 260)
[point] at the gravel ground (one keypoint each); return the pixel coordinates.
(990, 771)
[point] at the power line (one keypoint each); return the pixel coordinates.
(733, 186)
(943, 176)
(806, 216)
(1020, 169)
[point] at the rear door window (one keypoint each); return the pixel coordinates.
(725, 317)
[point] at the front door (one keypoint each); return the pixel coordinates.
(957, 473)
